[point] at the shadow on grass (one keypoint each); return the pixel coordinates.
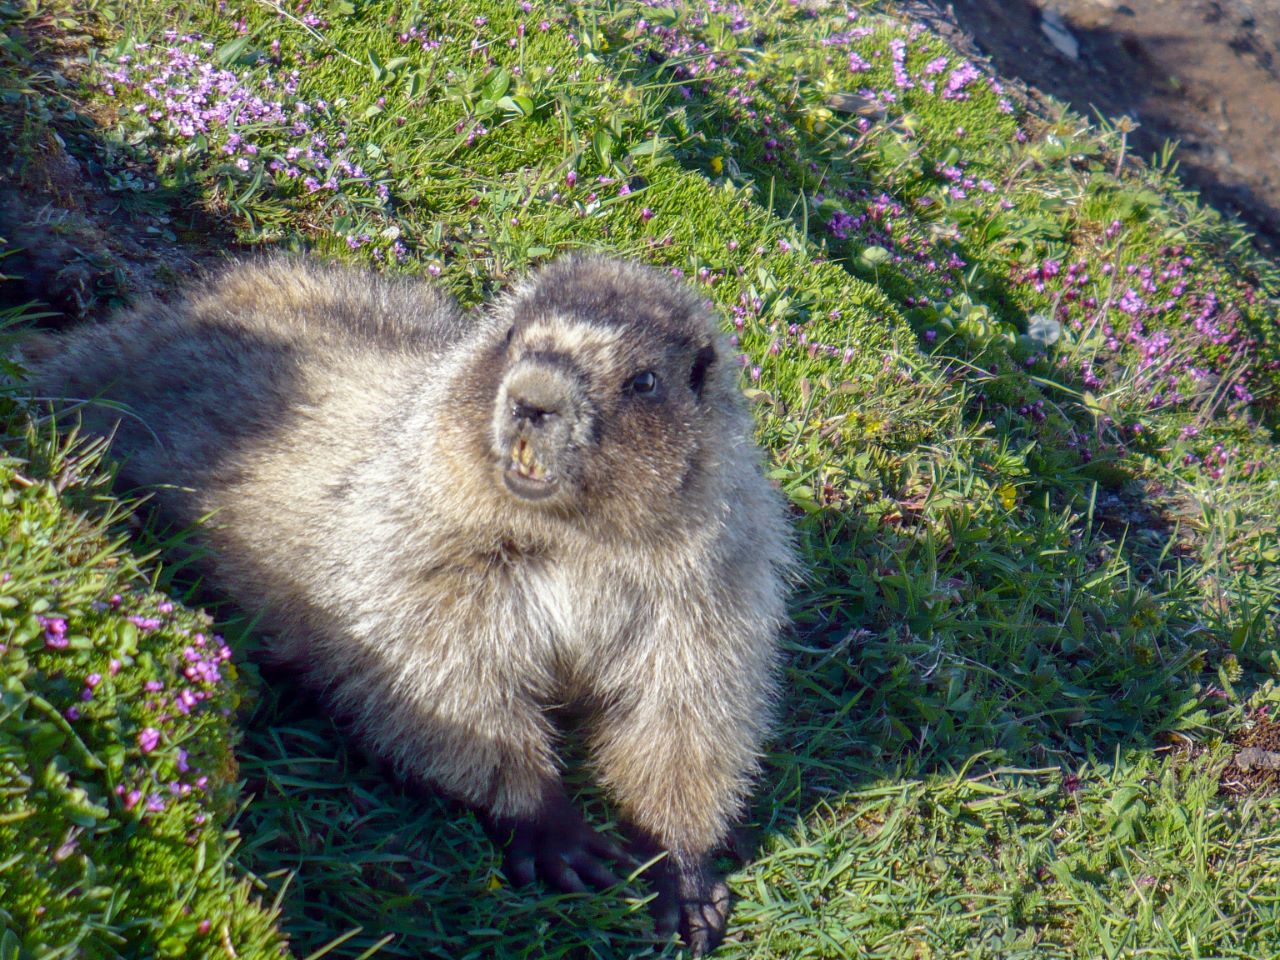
(958, 635)
(90, 224)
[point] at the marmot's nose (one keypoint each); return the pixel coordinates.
(539, 395)
(535, 413)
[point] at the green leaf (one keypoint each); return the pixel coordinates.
(651, 148)
(875, 255)
(1044, 331)
(1075, 623)
(497, 84)
(1124, 797)
(518, 104)
(602, 143)
(231, 51)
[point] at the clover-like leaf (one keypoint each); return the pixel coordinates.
(1044, 331)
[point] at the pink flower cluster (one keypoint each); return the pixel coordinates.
(260, 126)
(55, 632)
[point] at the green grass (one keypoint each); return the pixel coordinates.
(114, 804)
(1036, 510)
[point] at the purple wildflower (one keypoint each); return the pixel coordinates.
(898, 47)
(55, 632)
(842, 224)
(960, 77)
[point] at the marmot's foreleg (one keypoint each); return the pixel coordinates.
(454, 725)
(471, 737)
(676, 750)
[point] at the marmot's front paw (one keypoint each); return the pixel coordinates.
(693, 902)
(703, 921)
(557, 847)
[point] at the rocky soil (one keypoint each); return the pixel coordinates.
(1205, 73)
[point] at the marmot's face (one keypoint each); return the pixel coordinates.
(602, 403)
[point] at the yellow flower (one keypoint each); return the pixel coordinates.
(717, 165)
(1008, 495)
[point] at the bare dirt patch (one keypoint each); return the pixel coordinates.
(1202, 72)
(1256, 765)
(83, 223)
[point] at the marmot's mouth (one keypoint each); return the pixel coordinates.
(525, 475)
(525, 462)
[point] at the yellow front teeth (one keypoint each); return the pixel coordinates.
(524, 462)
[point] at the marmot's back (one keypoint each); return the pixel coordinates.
(278, 351)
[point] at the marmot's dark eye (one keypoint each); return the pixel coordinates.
(511, 330)
(643, 384)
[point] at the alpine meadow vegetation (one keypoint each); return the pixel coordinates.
(1019, 387)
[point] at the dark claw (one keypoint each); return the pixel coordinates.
(689, 900)
(594, 872)
(556, 846)
(561, 876)
(666, 916)
(603, 847)
(520, 870)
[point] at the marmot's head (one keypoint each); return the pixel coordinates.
(613, 392)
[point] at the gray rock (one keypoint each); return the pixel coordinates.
(1055, 30)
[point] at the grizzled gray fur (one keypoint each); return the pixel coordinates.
(454, 523)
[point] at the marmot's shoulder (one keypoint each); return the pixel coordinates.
(301, 299)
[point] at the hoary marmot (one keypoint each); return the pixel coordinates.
(453, 523)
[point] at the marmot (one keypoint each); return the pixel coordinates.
(452, 523)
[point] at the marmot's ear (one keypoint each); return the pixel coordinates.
(701, 364)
